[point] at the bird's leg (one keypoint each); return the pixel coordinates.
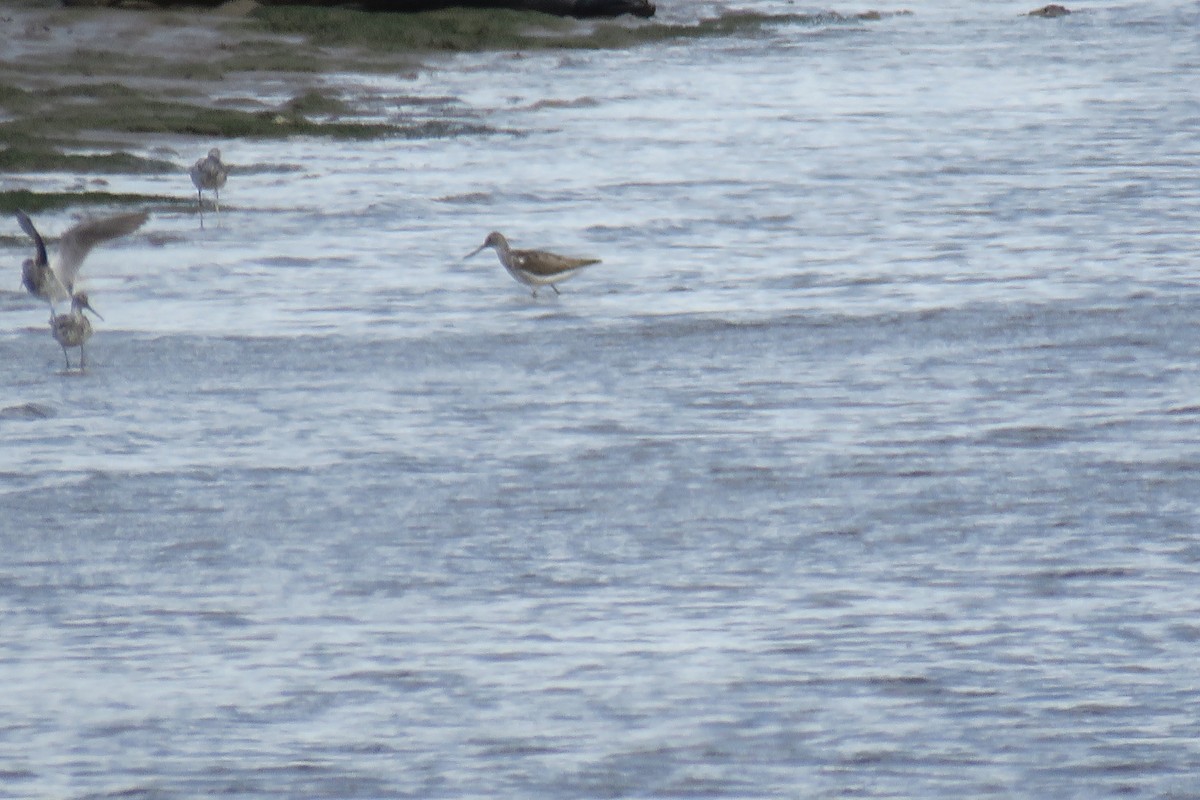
(533, 293)
(555, 288)
(82, 358)
(217, 200)
(66, 357)
(200, 205)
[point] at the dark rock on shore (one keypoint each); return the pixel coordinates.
(1051, 11)
(582, 9)
(562, 8)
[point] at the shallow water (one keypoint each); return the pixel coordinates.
(865, 465)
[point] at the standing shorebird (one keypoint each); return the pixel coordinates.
(73, 328)
(209, 173)
(534, 268)
(55, 283)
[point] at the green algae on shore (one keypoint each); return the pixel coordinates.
(36, 202)
(179, 75)
(454, 30)
(35, 158)
(470, 30)
(314, 101)
(40, 134)
(138, 112)
(88, 109)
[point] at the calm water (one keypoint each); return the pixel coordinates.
(866, 465)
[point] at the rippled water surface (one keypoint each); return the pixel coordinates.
(866, 464)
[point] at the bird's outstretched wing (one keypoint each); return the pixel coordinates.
(36, 274)
(27, 226)
(79, 241)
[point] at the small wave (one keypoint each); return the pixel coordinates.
(1032, 435)
(16, 774)
(516, 746)
(1184, 410)
(743, 23)
(469, 198)
(28, 411)
(578, 102)
(266, 168)
(1086, 573)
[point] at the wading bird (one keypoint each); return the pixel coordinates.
(73, 328)
(56, 282)
(209, 173)
(534, 268)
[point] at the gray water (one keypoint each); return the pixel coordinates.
(865, 465)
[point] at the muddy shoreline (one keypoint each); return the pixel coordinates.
(87, 92)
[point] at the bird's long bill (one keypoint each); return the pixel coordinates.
(475, 251)
(88, 306)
